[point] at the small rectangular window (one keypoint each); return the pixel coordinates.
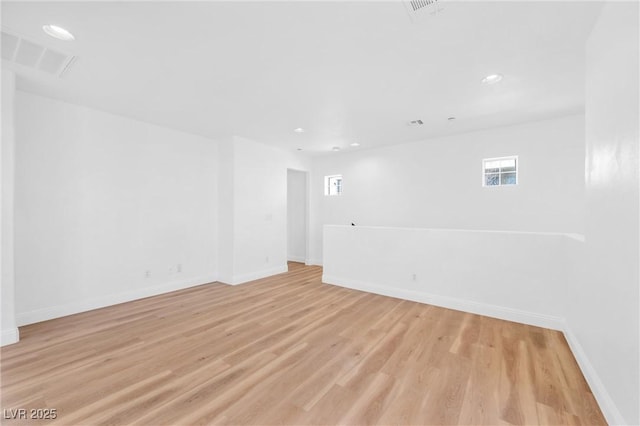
(333, 185)
(500, 171)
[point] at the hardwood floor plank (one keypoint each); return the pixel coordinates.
(290, 350)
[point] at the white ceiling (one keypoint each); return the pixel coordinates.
(344, 71)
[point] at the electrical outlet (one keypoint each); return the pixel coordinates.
(147, 274)
(414, 277)
(179, 267)
(266, 259)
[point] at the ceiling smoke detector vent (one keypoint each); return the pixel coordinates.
(18, 50)
(414, 123)
(422, 8)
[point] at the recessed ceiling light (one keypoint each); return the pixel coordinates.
(335, 148)
(492, 79)
(451, 118)
(299, 130)
(58, 32)
(299, 149)
(355, 144)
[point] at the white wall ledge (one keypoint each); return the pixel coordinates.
(573, 236)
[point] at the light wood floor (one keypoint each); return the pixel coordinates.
(290, 350)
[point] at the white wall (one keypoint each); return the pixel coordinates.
(437, 183)
(9, 331)
(296, 216)
(517, 276)
(100, 200)
(226, 197)
(260, 208)
(603, 313)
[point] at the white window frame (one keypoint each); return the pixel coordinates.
(500, 172)
(327, 182)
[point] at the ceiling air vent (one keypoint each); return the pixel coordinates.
(421, 8)
(32, 55)
(415, 123)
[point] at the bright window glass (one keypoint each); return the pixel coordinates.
(501, 171)
(333, 185)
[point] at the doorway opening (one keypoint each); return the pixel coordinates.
(296, 216)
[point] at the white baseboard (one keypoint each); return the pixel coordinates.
(608, 407)
(314, 262)
(494, 311)
(58, 311)
(9, 336)
(256, 275)
(300, 259)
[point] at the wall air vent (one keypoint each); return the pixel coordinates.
(18, 50)
(413, 123)
(422, 8)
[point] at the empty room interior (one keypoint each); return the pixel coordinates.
(401, 212)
